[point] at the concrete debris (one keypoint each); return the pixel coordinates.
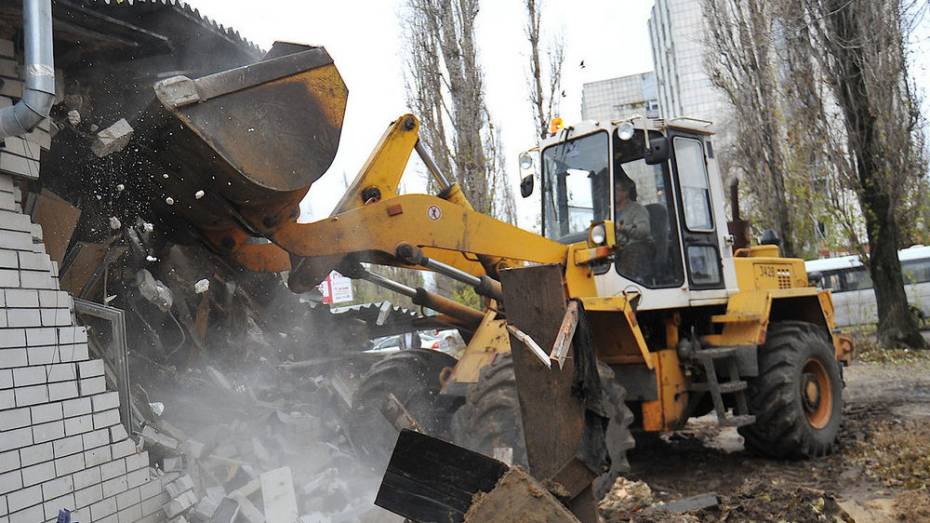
(151, 436)
(120, 187)
(115, 224)
(154, 291)
(74, 117)
(158, 408)
(278, 495)
(199, 194)
(202, 286)
(112, 139)
(626, 497)
(173, 464)
(169, 200)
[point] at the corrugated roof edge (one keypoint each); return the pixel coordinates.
(207, 22)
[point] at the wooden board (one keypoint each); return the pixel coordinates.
(58, 219)
(429, 479)
(83, 264)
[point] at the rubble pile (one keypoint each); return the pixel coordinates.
(240, 388)
(263, 452)
(755, 500)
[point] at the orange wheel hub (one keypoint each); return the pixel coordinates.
(816, 394)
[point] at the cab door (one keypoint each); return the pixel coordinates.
(699, 233)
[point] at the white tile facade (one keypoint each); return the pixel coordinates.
(61, 441)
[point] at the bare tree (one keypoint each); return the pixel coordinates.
(859, 45)
(544, 86)
(445, 87)
(740, 63)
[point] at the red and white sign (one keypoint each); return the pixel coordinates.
(336, 288)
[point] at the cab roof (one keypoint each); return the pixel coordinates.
(584, 127)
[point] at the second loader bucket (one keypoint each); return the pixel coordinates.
(252, 135)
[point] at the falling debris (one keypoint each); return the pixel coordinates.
(115, 223)
(151, 258)
(112, 139)
(148, 227)
(199, 194)
(169, 200)
(120, 187)
(202, 286)
(74, 117)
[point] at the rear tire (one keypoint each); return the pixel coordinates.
(798, 396)
(413, 377)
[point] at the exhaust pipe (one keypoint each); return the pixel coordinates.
(39, 88)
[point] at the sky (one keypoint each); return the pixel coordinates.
(365, 40)
(364, 37)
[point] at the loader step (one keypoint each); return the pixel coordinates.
(724, 388)
(735, 318)
(715, 353)
(737, 421)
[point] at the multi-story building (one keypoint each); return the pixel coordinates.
(676, 31)
(619, 98)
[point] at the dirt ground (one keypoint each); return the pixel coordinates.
(880, 473)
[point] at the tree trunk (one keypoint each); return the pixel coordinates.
(896, 326)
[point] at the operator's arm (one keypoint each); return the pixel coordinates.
(634, 224)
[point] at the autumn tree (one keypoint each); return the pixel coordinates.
(445, 88)
(740, 63)
(544, 85)
(860, 46)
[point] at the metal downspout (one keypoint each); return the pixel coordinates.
(39, 88)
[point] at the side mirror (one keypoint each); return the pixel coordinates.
(658, 151)
(526, 186)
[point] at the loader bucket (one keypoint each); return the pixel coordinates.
(252, 135)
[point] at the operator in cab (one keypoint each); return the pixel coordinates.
(634, 234)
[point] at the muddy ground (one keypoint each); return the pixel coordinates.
(881, 471)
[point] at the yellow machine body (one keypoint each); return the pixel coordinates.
(253, 219)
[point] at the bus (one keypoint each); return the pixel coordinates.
(851, 285)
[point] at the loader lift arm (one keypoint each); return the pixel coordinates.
(372, 220)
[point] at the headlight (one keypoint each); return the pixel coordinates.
(625, 131)
(598, 234)
(526, 161)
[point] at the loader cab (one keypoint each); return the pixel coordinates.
(659, 185)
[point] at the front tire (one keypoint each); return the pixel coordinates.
(413, 376)
(619, 438)
(489, 422)
(798, 396)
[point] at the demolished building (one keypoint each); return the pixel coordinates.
(145, 376)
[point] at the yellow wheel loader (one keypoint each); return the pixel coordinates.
(633, 310)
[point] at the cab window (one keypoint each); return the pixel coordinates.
(576, 190)
(648, 250)
(695, 187)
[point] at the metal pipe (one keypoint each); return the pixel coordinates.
(389, 284)
(423, 298)
(431, 166)
(483, 285)
(39, 86)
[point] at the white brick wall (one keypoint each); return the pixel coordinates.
(61, 441)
